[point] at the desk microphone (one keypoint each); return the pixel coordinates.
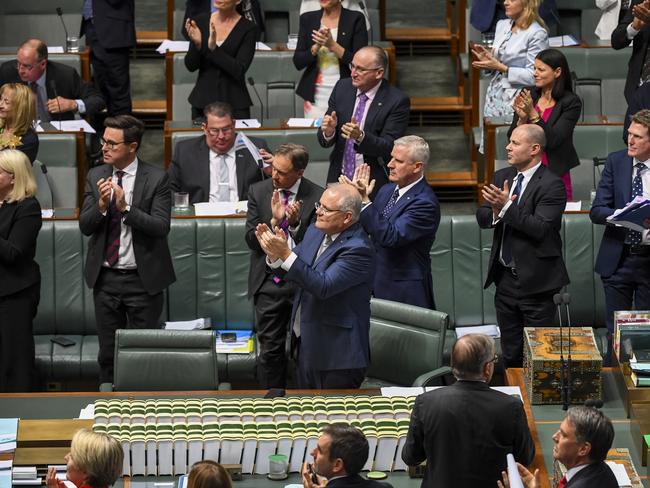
(59, 12)
(557, 300)
(559, 24)
(251, 82)
(367, 15)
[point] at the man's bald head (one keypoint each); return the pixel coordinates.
(469, 356)
(527, 143)
(31, 60)
(340, 207)
(534, 134)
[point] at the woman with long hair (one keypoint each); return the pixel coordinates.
(17, 115)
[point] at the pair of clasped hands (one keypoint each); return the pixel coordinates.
(322, 38)
(349, 130)
(274, 242)
(641, 13)
(484, 59)
(194, 32)
(106, 187)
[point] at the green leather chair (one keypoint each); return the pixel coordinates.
(164, 360)
(58, 153)
(406, 344)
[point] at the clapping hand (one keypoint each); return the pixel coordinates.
(641, 14)
(212, 40)
(497, 197)
(361, 181)
(193, 32)
(529, 479)
(273, 244)
(52, 481)
(523, 106)
(351, 130)
(105, 189)
(328, 125)
(323, 37)
(484, 59)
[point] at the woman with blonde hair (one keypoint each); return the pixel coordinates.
(518, 40)
(94, 461)
(20, 286)
(17, 115)
(208, 474)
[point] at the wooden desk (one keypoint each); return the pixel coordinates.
(630, 393)
(515, 377)
(49, 433)
(640, 426)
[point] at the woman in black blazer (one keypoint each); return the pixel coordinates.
(222, 46)
(553, 106)
(20, 285)
(327, 38)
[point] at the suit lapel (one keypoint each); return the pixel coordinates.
(140, 183)
(240, 166)
(406, 198)
(532, 184)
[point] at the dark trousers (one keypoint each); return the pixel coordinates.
(515, 310)
(111, 72)
(121, 302)
(273, 302)
(17, 312)
(322, 379)
(628, 287)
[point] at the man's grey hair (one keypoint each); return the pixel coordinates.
(349, 199)
(417, 146)
(594, 427)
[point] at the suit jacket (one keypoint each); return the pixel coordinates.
(222, 71)
(333, 293)
(561, 153)
(614, 191)
(190, 169)
(482, 13)
(596, 475)
(352, 36)
(640, 100)
(65, 81)
(403, 242)
(387, 120)
(356, 481)
(464, 432)
(149, 219)
(20, 223)
(639, 47)
(535, 231)
(114, 21)
(259, 211)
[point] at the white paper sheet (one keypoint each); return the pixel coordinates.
(47, 213)
(173, 46)
(489, 330)
(513, 473)
(573, 206)
(70, 125)
(219, 209)
(298, 122)
(55, 49)
(197, 324)
(260, 46)
(247, 124)
(621, 475)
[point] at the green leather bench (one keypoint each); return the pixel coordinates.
(590, 141)
(65, 162)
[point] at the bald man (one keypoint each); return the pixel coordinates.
(333, 270)
(465, 430)
(524, 206)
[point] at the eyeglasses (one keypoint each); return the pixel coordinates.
(28, 67)
(214, 131)
(319, 206)
(111, 144)
(359, 69)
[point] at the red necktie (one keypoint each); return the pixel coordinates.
(112, 249)
(562, 483)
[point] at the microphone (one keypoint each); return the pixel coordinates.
(559, 24)
(52, 85)
(251, 82)
(367, 15)
(59, 12)
(566, 298)
(557, 300)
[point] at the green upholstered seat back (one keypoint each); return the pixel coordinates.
(58, 152)
(165, 360)
(20, 19)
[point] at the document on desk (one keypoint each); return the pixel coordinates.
(5, 478)
(300, 122)
(87, 412)
(622, 477)
(220, 209)
(173, 46)
(8, 433)
(69, 126)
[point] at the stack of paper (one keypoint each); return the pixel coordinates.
(8, 432)
(197, 324)
(632, 215)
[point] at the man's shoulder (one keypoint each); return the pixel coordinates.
(190, 145)
(9, 72)
(60, 69)
(260, 187)
(150, 169)
(394, 92)
(308, 186)
(617, 156)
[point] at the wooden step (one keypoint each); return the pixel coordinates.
(418, 34)
(150, 108)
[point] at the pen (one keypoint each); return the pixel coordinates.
(244, 122)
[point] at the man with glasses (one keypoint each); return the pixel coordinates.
(216, 167)
(286, 200)
(60, 92)
(365, 115)
(464, 431)
(332, 269)
(126, 212)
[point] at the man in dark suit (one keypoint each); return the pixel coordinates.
(332, 269)
(464, 431)
(214, 168)
(581, 444)
(339, 456)
(126, 213)
(109, 27)
(524, 205)
(634, 28)
(364, 117)
(285, 200)
(60, 91)
(623, 261)
(402, 222)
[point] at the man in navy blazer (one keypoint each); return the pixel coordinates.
(364, 117)
(402, 222)
(333, 270)
(623, 261)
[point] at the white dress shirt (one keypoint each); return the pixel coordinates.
(215, 161)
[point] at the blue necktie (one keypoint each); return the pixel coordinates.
(506, 246)
(634, 237)
(391, 203)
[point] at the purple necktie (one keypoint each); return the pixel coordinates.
(112, 250)
(284, 224)
(349, 155)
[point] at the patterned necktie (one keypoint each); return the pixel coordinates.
(286, 194)
(41, 106)
(391, 203)
(633, 237)
(506, 246)
(112, 250)
(224, 180)
(87, 10)
(562, 483)
(349, 155)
